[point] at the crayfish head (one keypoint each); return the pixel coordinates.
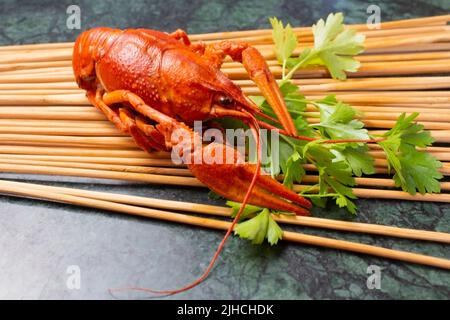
(89, 48)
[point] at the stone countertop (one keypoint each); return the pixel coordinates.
(40, 241)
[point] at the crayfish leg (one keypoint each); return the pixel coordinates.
(180, 34)
(125, 122)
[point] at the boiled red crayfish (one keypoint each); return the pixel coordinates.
(150, 83)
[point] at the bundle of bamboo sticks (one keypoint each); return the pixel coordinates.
(47, 126)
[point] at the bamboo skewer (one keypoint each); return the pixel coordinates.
(87, 152)
(107, 142)
(124, 153)
(371, 119)
(46, 67)
(148, 167)
(435, 96)
(106, 167)
(367, 69)
(145, 161)
(223, 225)
(79, 99)
(192, 182)
(102, 174)
(441, 152)
(307, 85)
(226, 212)
(61, 131)
(442, 156)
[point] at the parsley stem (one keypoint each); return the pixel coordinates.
(283, 72)
(309, 56)
(297, 100)
(307, 195)
(293, 145)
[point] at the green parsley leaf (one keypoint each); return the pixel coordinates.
(254, 229)
(419, 170)
(334, 47)
(287, 87)
(337, 121)
(303, 128)
(414, 170)
(338, 177)
(260, 227)
(274, 232)
(284, 38)
(248, 210)
(294, 170)
(357, 158)
(335, 177)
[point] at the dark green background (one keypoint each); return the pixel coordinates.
(39, 240)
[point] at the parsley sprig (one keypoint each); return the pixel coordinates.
(334, 47)
(414, 170)
(337, 164)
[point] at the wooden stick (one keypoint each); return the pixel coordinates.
(142, 167)
(36, 123)
(226, 212)
(356, 98)
(70, 100)
(41, 92)
(93, 114)
(356, 85)
(61, 131)
(154, 162)
(367, 69)
(26, 56)
(107, 167)
(442, 156)
(48, 70)
(34, 86)
(101, 174)
(34, 65)
(385, 42)
(371, 182)
(122, 153)
(87, 152)
(192, 182)
(423, 117)
(19, 113)
(50, 67)
(319, 84)
(223, 225)
(107, 142)
(306, 37)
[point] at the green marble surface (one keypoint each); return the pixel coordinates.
(39, 240)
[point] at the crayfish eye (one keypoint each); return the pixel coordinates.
(225, 101)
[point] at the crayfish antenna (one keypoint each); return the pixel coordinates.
(255, 131)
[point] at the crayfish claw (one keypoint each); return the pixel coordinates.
(259, 72)
(232, 181)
